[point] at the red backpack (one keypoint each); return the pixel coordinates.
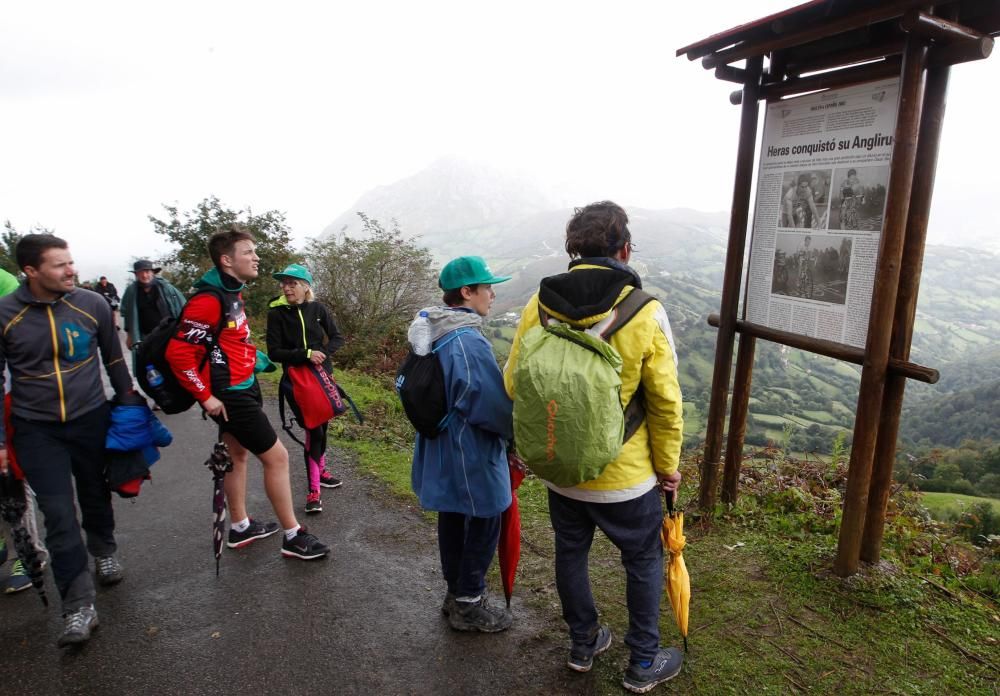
(314, 397)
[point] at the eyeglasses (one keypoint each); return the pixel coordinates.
(288, 282)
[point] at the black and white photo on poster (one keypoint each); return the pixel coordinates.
(858, 200)
(805, 199)
(811, 266)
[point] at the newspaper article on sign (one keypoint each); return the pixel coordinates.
(821, 195)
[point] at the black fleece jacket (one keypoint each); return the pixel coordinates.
(294, 330)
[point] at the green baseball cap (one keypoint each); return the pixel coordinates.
(467, 270)
(295, 270)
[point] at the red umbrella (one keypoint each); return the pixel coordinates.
(509, 549)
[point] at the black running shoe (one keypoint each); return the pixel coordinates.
(581, 656)
(109, 570)
(256, 530)
(78, 625)
(479, 616)
(313, 503)
(305, 546)
(666, 665)
(327, 480)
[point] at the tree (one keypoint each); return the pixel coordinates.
(375, 283)
(8, 244)
(190, 230)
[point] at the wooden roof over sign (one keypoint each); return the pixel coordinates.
(825, 34)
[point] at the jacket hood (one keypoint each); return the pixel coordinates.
(223, 281)
(587, 292)
(444, 320)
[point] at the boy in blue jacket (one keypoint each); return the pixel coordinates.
(462, 474)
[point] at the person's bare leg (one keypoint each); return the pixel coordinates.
(277, 484)
(235, 482)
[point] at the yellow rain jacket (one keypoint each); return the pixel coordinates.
(585, 296)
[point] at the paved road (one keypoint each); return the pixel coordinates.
(365, 620)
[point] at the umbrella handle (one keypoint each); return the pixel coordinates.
(668, 496)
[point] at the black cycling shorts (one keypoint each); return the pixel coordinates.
(247, 421)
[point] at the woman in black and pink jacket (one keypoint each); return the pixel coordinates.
(301, 331)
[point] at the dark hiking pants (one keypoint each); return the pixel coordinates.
(52, 455)
(467, 546)
(634, 527)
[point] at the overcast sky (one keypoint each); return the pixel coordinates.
(112, 109)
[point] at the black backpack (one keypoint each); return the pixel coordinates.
(420, 385)
(152, 350)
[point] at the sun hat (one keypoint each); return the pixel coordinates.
(295, 270)
(145, 265)
(467, 270)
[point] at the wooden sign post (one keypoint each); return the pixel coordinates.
(824, 46)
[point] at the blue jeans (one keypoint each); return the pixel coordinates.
(52, 455)
(467, 546)
(634, 527)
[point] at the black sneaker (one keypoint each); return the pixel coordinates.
(305, 546)
(313, 503)
(256, 530)
(581, 655)
(109, 570)
(77, 626)
(665, 666)
(327, 480)
(479, 616)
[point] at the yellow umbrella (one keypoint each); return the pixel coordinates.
(678, 582)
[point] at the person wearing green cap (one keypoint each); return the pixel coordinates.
(302, 331)
(462, 474)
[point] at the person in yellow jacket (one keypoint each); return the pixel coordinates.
(625, 500)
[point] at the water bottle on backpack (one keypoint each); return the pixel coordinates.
(153, 376)
(419, 334)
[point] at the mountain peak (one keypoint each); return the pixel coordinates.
(451, 194)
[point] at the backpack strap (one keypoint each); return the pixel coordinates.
(625, 310)
(635, 410)
(286, 425)
(218, 329)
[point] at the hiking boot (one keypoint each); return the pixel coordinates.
(313, 503)
(256, 530)
(109, 570)
(327, 480)
(77, 626)
(665, 666)
(305, 546)
(449, 604)
(581, 655)
(479, 616)
(18, 579)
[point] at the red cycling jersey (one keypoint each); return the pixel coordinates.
(232, 356)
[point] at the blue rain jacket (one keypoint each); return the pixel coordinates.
(464, 469)
(134, 428)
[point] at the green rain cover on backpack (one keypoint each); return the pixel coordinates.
(568, 419)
